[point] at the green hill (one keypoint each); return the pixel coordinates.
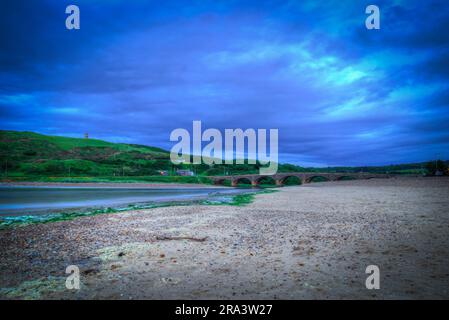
(32, 156)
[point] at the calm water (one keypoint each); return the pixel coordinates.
(41, 200)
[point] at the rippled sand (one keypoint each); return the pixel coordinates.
(312, 241)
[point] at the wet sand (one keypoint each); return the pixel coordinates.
(307, 242)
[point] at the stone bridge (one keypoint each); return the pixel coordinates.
(304, 177)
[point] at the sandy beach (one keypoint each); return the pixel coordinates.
(304, 242)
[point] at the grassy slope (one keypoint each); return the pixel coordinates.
(65, 143)
(30, 156)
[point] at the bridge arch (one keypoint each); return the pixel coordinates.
(289, 180)
(345, 177)
(223, 182)
(265, 180)
(317, 178)
(242, 181)
(280, 178)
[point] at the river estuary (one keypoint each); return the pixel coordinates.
(32, 200)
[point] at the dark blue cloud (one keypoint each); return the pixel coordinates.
(338, 93)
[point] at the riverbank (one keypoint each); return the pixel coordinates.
(137, 185)
(312, 241)
(172, 179)
(27, 204)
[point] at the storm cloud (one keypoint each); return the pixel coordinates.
(338, 93)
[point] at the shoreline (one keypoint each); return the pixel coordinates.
(21, 220)
(304, 242)
(153, 185)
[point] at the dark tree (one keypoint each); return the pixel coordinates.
(439, 166)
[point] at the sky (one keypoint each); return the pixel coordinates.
(338, 93)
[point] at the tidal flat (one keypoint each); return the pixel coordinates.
(303, 242)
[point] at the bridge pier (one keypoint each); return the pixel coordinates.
(279, 183)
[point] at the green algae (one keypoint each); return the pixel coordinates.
(238, 200)
(23, 220)
(35, 289)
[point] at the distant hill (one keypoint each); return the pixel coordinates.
(29, 154)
